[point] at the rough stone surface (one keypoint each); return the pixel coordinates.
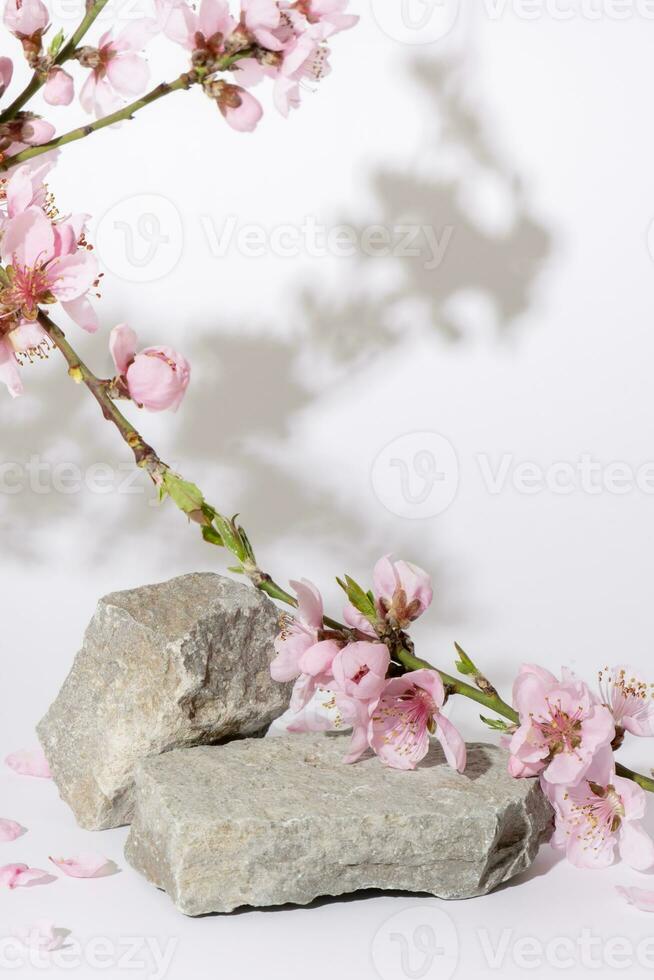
(166, 666)
(266, 822)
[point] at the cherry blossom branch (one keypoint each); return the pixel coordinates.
(184, 81)
(226, 533)
(643, 781)
(144, 455)
(65, 54)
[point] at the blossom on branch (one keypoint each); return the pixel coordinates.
(155, 378)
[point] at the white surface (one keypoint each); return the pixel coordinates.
(533, 142)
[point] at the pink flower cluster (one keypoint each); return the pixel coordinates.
(282, 41)
(275, 39)
(566, 737)
(393, 716)
(46, 259)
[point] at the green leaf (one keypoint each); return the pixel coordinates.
(231, 536)
(185, 495)
(55, 43)
(464, 665)
(211, 535)
(362, 601)
(496, 724)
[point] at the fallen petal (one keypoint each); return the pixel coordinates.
(642, 898)
(10, 830)
(43, 935)
(85, 866)
(22, 876)
(29, 762)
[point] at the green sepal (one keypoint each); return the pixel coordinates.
(496, 724)
(55, 44)
(464, 665)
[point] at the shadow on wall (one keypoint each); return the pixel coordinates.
(441, 191)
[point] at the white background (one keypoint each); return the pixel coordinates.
(532, 342)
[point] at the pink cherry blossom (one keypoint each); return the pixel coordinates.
(59, 88)
(44, 264)
(602, 813)
(265, 21)
(299, 633)
(402, 591)
(329, 12)
(118, 69)
(641, 898)
(43, 936)
(629, 698)
(83, 866)
(204, 31)
(306, 59)
(360, 670)
(26, 130)
(408, 711)
(10, 830)
(25, 188)
(29, 762)
(241, 110)
(156, 378)
(26, 341)
(6, 72)
(26, 18)
(22, 876)
(562, 727)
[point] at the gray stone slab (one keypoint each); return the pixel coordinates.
(266, 822)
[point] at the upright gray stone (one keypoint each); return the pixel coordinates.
(265, 822)
(182, 663)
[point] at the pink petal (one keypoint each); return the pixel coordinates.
(6, 72)
(642, 898)
(28, 239)
(122, 346)
(310, 605)
(214, 18)
(83, 866)
(319, 658)
(10, 830)
(21, 876)
(636, 846)
(453, 744)
(9, 373)
(29, 763)
(59, 88)
(72, 275)
(81, 311)
(128, 73)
